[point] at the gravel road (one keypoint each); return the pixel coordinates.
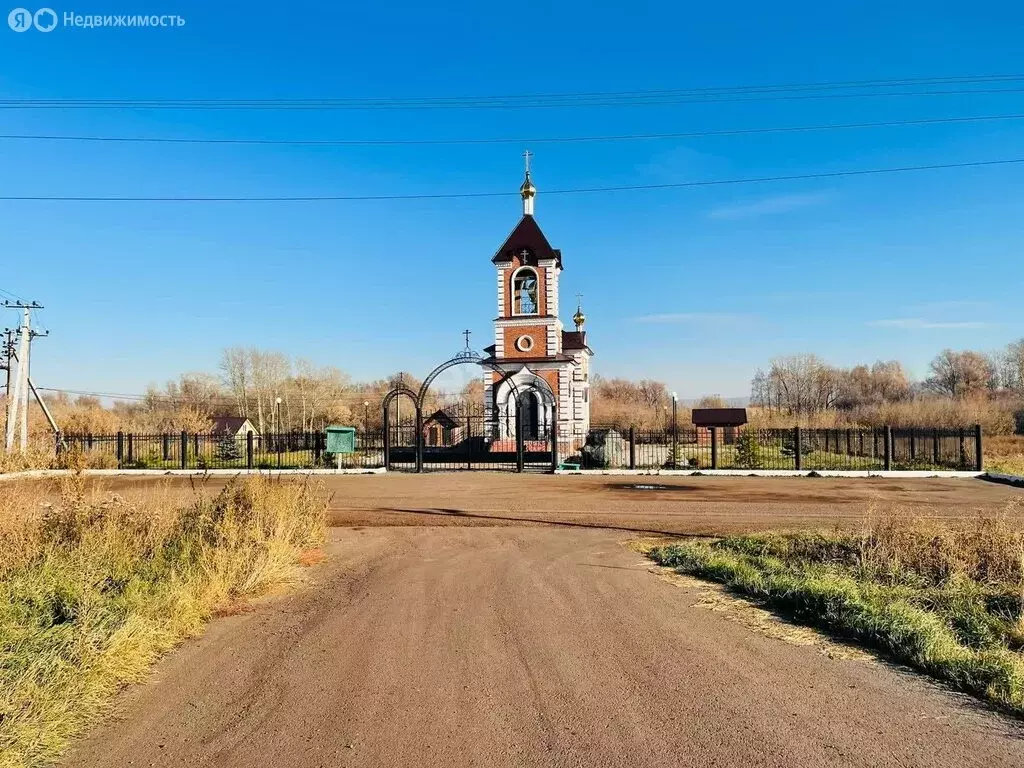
(523, 645)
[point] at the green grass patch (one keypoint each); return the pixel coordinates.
(94, 590)
(948, 602)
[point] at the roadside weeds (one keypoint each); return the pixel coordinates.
(93, 591)
(948, 601)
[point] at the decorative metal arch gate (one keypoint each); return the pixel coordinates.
(476, 442)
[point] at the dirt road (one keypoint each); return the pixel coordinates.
(523, 646)
(642, 504)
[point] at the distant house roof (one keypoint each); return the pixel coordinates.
(231, 425)
(442, 418)
(527, 234)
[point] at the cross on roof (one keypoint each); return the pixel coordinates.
(467, 333)
(579, 299)
(527, 155)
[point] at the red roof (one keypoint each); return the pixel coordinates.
(574, 340)
(527, 234)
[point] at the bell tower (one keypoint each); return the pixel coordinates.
(530, 343)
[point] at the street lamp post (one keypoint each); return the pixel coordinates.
(366, 417)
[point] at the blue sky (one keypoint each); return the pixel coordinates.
(694, 286)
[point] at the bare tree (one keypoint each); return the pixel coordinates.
(800, 384)
(236, 374)
(1010, 366)
(315, 388)
(269, 372)
(960, 374)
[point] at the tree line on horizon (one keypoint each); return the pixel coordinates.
(962, 388)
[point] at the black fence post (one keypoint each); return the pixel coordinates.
(887, 463)
(979, 445)
(131, 448)
(120, 449)
(387, 441)
(165, 440)
(184, 449)
(248, 449)
(632, 448)
(913, 445)
(714, 447)
(554, 438)
(935, 447)
(519, 439)
(797, 447)
(468, 439)
(419, 439)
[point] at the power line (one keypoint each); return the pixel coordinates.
(455, 195)
(10, 295)
(533, 140)
(821, 90)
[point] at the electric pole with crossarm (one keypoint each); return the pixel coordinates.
(17, 397)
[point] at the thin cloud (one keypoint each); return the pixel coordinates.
(768, 206)
(920, 324)
(953, 305)
(691, 318)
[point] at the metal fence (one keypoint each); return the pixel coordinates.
(471, 444)
(186, 450)
(882, 448)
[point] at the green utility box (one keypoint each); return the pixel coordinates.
(341, 440)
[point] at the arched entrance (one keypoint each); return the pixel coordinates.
(530, 405)
(400, 440)
(519, 433)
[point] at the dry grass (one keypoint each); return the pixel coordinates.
(946, 599)
(996, 416)
(1005, 453)
(95, 587)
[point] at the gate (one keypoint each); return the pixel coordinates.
(468, 436)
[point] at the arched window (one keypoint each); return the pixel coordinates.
(524, 292)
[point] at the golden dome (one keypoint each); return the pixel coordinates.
(579, 318)
(527, 189)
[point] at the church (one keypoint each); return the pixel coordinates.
(533, 355)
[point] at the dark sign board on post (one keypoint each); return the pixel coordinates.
(719, 417)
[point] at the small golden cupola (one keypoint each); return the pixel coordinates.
(527, 190)
(579, 318)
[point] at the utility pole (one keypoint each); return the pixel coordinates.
(6, 363)
(17, 401)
